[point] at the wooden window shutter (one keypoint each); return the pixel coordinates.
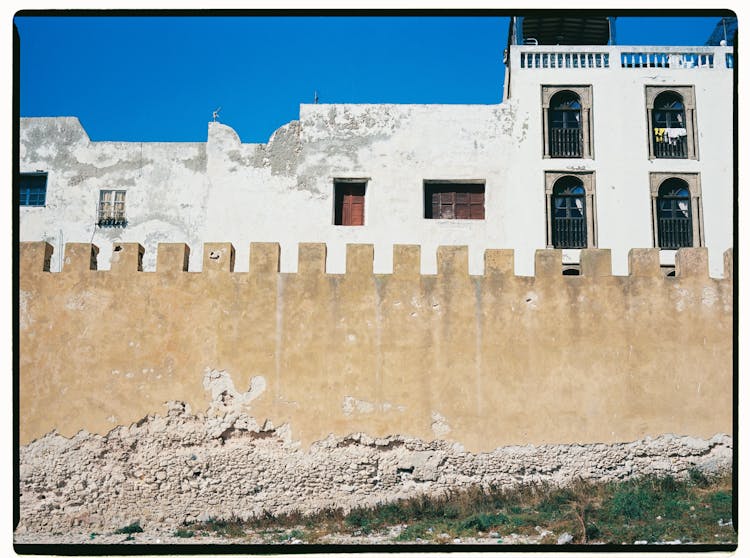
(350, 204)
(454, 201)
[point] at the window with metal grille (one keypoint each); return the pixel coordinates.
(453, 200)
(569, 213)
(668, 127)
(32, 189)
(675, 221)
(565, 132)
(349, 199)
(111, 208)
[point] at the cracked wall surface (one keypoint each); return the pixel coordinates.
(484, 360)
(180, 467)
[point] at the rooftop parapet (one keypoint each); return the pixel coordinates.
(603, 57)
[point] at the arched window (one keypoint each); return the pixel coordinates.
(672, 131)
(565, 130)
(674, 214)
(569, 213)
(669, 128)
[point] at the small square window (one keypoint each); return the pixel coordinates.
(112, 208)
(349, 199)
(668, 270)
(32, 189)
(453, 200)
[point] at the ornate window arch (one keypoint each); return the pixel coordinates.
(566, 121)
(571, 211)
(676, 210)
(672, 133)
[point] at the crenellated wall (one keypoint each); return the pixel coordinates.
(485, 361)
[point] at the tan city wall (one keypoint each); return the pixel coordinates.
(486, 360)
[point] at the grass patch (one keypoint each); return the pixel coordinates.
(134, 527)
(231, 528)
(694, 510)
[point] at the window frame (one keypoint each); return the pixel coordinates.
(687, 94)
(585, 98)
(565, 200)
(693, 182)
(28, 189)
(432, 186)
(338, 196)
(588, 181)
(110, 217)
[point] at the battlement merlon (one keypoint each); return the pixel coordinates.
(265, 258)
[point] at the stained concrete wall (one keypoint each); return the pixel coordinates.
(484, 360)
(282, 191)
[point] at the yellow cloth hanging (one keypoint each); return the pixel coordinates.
(659, 135)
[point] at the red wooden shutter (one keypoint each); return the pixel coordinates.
(446, 205)
(476, 208)
(357, 210)
(352, 205)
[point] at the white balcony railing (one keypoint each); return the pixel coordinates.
(629, 57)
(667, 60)
(564, 60)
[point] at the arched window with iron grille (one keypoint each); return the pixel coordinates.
(569, 213)
(565, 130)
(669, 128)
(673, 211)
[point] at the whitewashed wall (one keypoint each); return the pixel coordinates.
(282, 191)
(620, 139)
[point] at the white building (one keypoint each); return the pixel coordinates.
(593, 146)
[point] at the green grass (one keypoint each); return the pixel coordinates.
(650, 508)
(134, 527)
(232, 528)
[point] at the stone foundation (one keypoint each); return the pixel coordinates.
(185, 467)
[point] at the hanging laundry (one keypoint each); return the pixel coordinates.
(659, 135)
(672, 135)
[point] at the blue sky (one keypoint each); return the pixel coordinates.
(160, 78)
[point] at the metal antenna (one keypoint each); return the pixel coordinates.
(216, 114)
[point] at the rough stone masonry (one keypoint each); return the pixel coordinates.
(183, 467)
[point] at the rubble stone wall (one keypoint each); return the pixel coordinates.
(180, 467)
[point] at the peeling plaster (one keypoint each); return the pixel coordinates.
(168, 470)
(709, 296)
(351, 405)
(221, 387)
(395, 147)
(79, 301)
(24, 318)
(439, 424)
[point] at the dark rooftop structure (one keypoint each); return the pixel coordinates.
(562, 30)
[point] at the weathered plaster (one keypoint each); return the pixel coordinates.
(282, 191)
(442, 356)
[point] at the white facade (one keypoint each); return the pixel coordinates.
(282, 191)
